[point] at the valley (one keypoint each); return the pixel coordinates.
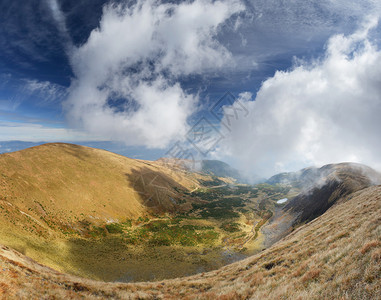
(335, 256)
(190, 150)
(87, 222)
(212, 234)
(175, 230)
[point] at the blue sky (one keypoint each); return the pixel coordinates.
(136, 76)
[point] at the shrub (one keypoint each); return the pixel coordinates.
(156, 226)
(128, 223)
(219, 213)
(97, 231)
(187, 241)
(159, 241)
(230, 227)
(209, 236)
(114, 228)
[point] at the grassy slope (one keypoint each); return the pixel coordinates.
(48, 192)
(79, 180)
(337, 255)
(323, 188)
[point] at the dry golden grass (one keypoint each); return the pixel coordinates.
(48, 192)
(336, 256)
(86, 181)
(368, 246)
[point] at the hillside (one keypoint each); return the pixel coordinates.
(323, 187)
(99, 215)
(320, 188)
(335, 256)
(61, 203)
(311, 177)
(94, 214)
(87, 181)
(213, 168)
(219, 169)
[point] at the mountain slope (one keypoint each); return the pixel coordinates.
(73, 208)
(337, 255)
(68, 181)
(320, 188)
(51, 193)
(219, 169)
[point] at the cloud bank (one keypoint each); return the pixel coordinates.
(127, 73)
(318, 112)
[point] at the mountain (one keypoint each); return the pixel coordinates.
(213, 168)
(59, 203)
(87, 181)
(67, 210)
(61, 188)
(308, 177)
(321, 188)
(115, 147)
(335, 256)
(219, 169)
(285, 178)
(299, 179)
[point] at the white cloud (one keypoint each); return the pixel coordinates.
(319, 112)
(137, 54)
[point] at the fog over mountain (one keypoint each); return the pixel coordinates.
(320, 111)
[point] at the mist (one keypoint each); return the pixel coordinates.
(322, 111)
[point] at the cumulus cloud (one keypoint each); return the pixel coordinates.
(319, 112)
(127, 73)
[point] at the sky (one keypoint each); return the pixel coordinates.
(265, 85)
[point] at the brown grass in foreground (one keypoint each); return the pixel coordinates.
(336, 256)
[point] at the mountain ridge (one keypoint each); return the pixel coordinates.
(314, 261)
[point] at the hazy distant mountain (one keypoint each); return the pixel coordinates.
(12, 146)
(219, 169)
(296, 179)
(215, 168)
(284, 178)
